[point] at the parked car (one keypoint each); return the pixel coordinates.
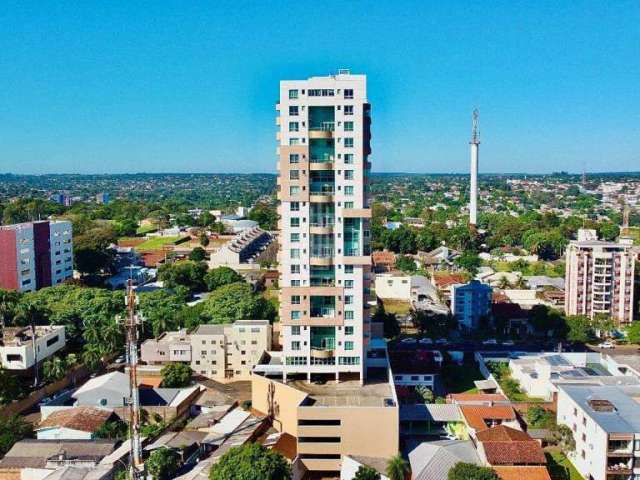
(425, 341)
(120, 359)
(442, 341)
(490, 341)
(607, 345)
(508, 343)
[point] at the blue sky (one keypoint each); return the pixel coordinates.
(164, 86)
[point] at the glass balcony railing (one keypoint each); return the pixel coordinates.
(322, 252)
(322, 221)
(322, 189)
(323, 127)
(322, 158)
(323, 312)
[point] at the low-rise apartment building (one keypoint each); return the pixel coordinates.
(605, 421)
(220, 351)
(17, 345)
(470, 302)
(246, 250)
(35, 255)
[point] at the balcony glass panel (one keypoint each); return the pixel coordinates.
(321, 150)
(323, 338)
(322, 276)
(323, 306)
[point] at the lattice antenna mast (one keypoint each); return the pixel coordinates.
(131, 323)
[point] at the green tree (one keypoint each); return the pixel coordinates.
(469, 471)
(633, 332)
(234, 302)
(184, 273)
(470, 261)
(563, 437)
(266, 215)
(54, 368)
(176, 375)
(113, 429)
(397, 468)
(539, 417)
(161, 309)
(405, 263)
(251, 461)
(198, 254)
(204, 240)
(365, 472)
(9, 301)
(221, 276)
(163, 463)
(12, 430)
(91, 250)
(578, 328)
(603, 323)
(425, 393)
(9, 386)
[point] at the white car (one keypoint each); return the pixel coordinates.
(490, 341)
(425, 341)
(607, 345)
(508, 343)
(442, 341)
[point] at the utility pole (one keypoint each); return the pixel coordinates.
(131, 324)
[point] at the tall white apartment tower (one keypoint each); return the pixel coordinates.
(324, 256)
(475, 151)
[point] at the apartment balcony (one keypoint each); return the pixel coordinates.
(322, 256)
(356, 213)
(322, 225)
(322, 130)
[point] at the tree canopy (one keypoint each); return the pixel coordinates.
(236, 301)
(469, 471)
(176, 375)
(251, 461)
(163, 463)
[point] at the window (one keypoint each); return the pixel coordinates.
(294, 158)
(295, 268)
(348, 109)
(348, 299)
(52, 340)
(324, 92)
(348, 126)
(294, 126)
(348, 315)
(348, 330)
(293, 111)
(348, 269)
(348, 174)
(294, 190)
(295, 330)
(293, 94)
(348, 205)
(348, 190)
(295, 283)
(294, 141)
(294, 253)
(295, 299)
(348, 142)
(295, 237)
(294, 221)
(348, 158)
(294, 175)
(348, 345)
(294, 206)
(296, 315)
(348, 284)
(296, 360)
(295, 345)
(348, 93)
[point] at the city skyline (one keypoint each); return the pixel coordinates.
(115, 89)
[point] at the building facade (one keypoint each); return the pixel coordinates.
(470, 302)
(599, 278)
(323, 147)
(35, 255)
(605, 422)
(221, 352)
(17, 345)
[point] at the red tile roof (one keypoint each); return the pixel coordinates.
(445, 280)
(522, 473)
(514, 453)
(502, 433)
(383, 257)
(480, 417)
(85, 419)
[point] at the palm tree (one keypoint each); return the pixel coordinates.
(503, 283)
(397, 468)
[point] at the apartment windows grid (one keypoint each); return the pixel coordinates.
(296, 315)
(294, 158)
(348, 158)
(348, 110)
(293, 94)
(294, 206)
(294, 141)
(295, 299)
(293, 111)
(295, 238)
(294, 174)
(294, 126)
(295, 330)
(348, 174)
(294, 222)
(348, 93)
(348, 190)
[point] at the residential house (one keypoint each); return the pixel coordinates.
(17, 345)
(80, 423)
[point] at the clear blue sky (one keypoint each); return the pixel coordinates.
(186, 86)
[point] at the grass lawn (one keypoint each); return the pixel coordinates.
(156, 243)
(560, 468)
(143, 229)
(398, 307)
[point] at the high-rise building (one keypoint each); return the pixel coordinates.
(599, 277)
(35, 255)
(331, 386)
(473, 187)
(323, 191)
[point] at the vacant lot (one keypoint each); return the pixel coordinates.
(156, 243)
(399, 307)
